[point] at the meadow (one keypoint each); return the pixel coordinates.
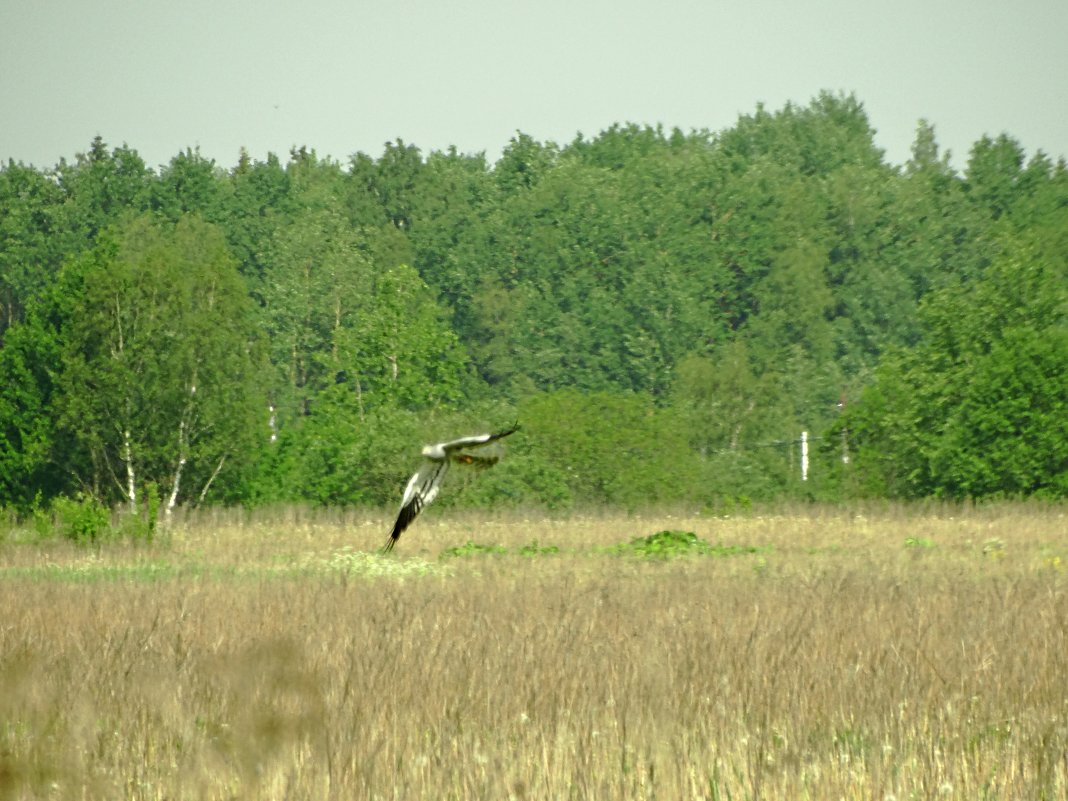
(810, 653)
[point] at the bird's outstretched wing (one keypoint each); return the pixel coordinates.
(476, 441)
(422, 489)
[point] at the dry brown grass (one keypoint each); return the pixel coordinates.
(890, 655)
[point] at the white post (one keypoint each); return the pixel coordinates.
(804, 456)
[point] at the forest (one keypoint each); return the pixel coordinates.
(663, 311)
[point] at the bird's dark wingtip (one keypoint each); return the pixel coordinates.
(388, 547)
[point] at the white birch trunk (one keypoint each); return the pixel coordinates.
(172, 499)
(359, 398)
(131, 474)
(207, 484)
(127, 436)
(183, 452)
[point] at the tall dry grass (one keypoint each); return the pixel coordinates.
(889, 655)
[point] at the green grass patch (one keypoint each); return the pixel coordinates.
(471, 548)
(345, 561)
(352, 562)
(534, 549)
(919, 543)
(92, 572)
(665, 544)
(530, 550)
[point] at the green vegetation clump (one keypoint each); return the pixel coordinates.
(534, 549)
(662, 545)
(471, 548)
(82, 518)
(669, 544)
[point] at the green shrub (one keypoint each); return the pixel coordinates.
(142, 526)
(82, 518)
(668, 544)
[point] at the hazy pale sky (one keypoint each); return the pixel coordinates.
(342, 77)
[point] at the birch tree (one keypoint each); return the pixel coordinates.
(158, 377)
(316, 288)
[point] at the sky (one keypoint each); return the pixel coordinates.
(346, 77)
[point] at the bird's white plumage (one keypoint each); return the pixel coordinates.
(423, 487)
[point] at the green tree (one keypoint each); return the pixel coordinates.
(979, 407)
(350, 341)
(258, 201)
(27, 426)
(338, 455)
(738, 422)
(933, 236)
(571, 292)
(872, 304)
(778, 249)
(158, 377)
(724, 403)
(395, 181)
(101, 186)
(832, 131)
(31, 241)
(317, 286)
(523, 163)
(403, 348)
(191, 184)
(995, 168)
(609, 448)
(453, 196)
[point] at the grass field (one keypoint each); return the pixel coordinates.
(812, 654)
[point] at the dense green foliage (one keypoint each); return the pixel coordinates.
(664, 311)
(980, 406)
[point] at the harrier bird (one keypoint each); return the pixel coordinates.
(424, 485)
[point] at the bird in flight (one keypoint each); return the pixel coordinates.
(424, 485)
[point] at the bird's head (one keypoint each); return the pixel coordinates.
(433, 452)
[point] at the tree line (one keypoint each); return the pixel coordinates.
(664, 311)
